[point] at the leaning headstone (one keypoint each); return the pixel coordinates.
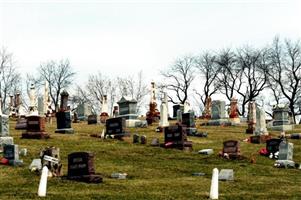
(63, 116)
(285, 151)
(115, 127)
(251, 117)
(50, 157)
(81, 168)
(281, 119)
(128, 111)
(35, 128)
(261, 128)
(226, 175)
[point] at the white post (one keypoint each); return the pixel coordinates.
(43, 182)
(214, 184)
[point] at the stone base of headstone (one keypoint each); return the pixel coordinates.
(219, 122)
(21, 124)
(285, 127)
(93, 178)
(65, 130)
(259, 139)
(103, 117)
(35, 135)
(132, 123)
(235, 121)
(294, 136)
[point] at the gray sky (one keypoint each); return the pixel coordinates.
(122, 37)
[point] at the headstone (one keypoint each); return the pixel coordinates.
(155, 142)
(84, 110)
(4, 125)
(218, 114)
(143, 139)
(251, 117)
(63, 116)
(4, 141)
(53, 161)
(179, 116)
(115, 127)
(11, 153)
(261, 128)
(226, 175)
(176, 108)
(153, 114)
(285, 151)
(164, 112)
(104, 115)
(175, 137)
(115, 110)
(21, 123)
(281, 119)
(81, 167)
(35, 128)
(33, 108)
(207, 110)
(41, 106)
(92, 119)
(128, 111)
(231, 149)
(136, 138)
(272, 145)
(233, 115)
(214, 185)
(188, 122)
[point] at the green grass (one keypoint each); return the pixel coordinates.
(153, 172)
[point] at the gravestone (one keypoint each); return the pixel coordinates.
(153, 113)
(33, 105)
(143, 139)
(286, 151)
(92, 119)
(164, 112)
(218, 114)
(4, 141)
(128, 111)
(11, 153)
(63, 116)
(104, 115)
(50, 157)
(84, 110)
(281, 118)
(226, 175)
(41, 106)
(176, 108)
(136, 138)
(233, 115)
(4, 125)
(21, 123)
(155, 142)
(272, 145)
(175, 137)
(35, 128)
(115, 110)
(188, 122)
(115, 127)
(81, 168)
(251, 117)
(231, 149)
(261, 128)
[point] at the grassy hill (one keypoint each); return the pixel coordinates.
(153, 172)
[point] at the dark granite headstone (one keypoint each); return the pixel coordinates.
(63, 121)
(92, 119)
(11, 152)
(136, 138)
(188, 122)
(21, 124)
(127, 108)
(231, 149)
(35, 128)
(81, 167)
(115, 127)
(175, 137)
(143, 139)
(176, 108)
(272, 145)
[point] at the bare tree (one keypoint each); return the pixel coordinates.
(285, 71)
(254, 65)
(178, 79)
(59, 76)
(209, 69)
(10, 82)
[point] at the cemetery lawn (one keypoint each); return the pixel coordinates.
(153, 172)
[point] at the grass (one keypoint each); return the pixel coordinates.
(153, 172)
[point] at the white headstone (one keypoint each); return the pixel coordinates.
(186, 107)
(32, 101)
(43, 182)
(164, 113)
(261, 128)
(41, 106)
(214, 185)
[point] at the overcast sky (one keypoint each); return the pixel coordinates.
(122, 37)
